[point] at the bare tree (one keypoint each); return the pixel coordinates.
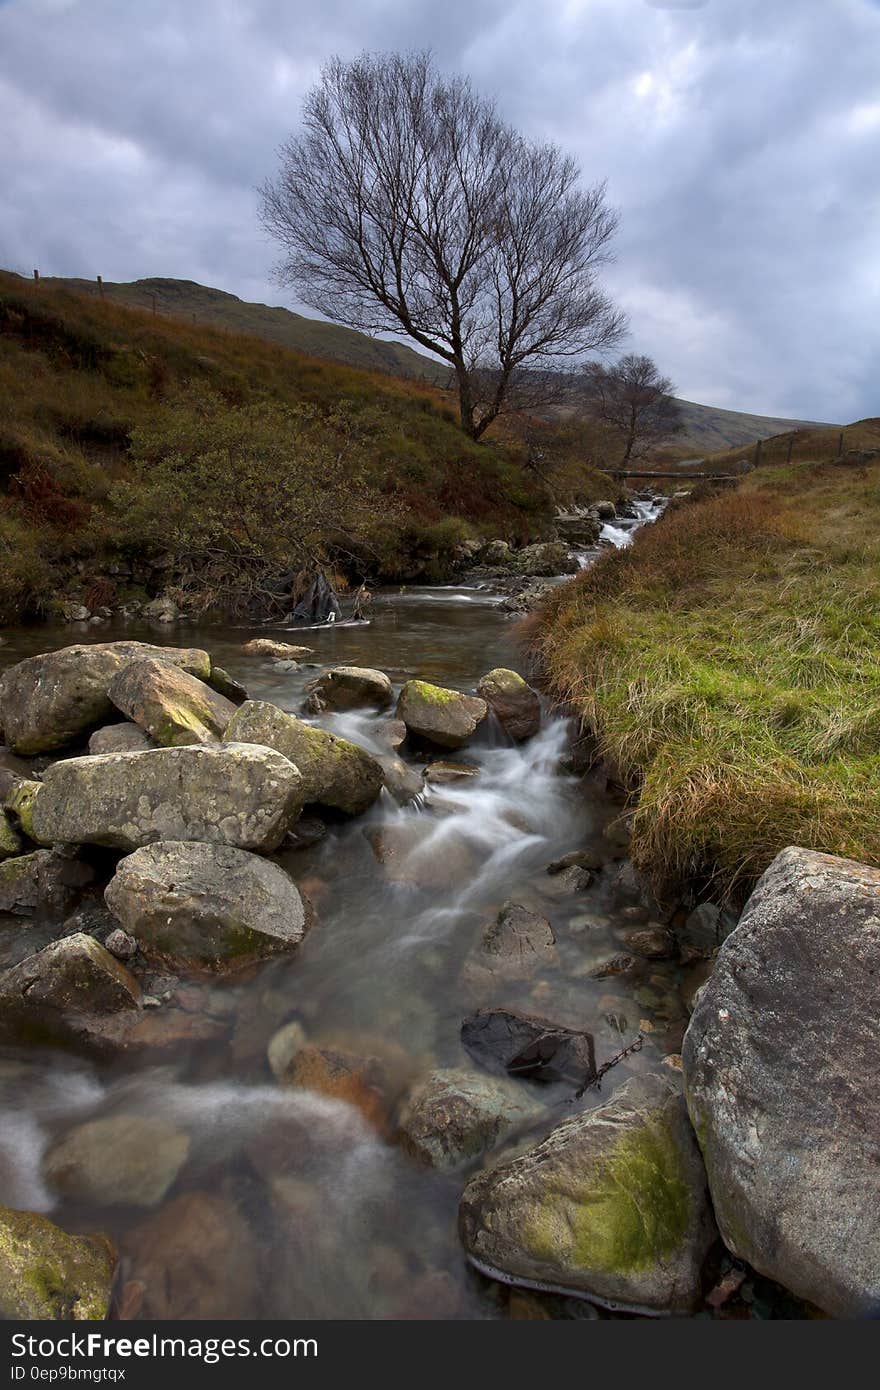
(407, 204)
(635, 402)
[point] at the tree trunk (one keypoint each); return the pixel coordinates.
(465, 400)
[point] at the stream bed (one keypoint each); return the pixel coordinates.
(290, 1204)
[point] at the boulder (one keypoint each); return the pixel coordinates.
(117, 1161)
(611, 1206)
(530, 1048)
(41, 880)
(237, 794)
(544, 560)
(703, 931)
(48, 1275)
(277, 651)
(605, 511)
(10, 840)
(172, 706)
(335, 773)
(51, 700)
(579, 530)
(204, 906)
(513, 702)
(62, 993)
(781, 1058)
(445, 717)
(452, 1115)
(352, 687)
(283, 1047)
(120, 738)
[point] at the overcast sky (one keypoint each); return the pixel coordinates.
(740, 139)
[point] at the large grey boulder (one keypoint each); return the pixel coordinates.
(454, 1114)
(335, 772)
(612, 1206)
(237, 794)
(352, 687)
(51, 700)
(170, 705)
(48, 1275)
(62, 993)
(512, 701)
(210, 907)
(781, 1060)
(445, 717)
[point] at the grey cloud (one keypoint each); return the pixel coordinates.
(740, 141)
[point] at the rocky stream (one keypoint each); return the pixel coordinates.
(329, 990)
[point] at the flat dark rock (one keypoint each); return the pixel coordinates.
(530, 1048)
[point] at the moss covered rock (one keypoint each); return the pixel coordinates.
(51, 700)
(20, 804)
(170, 705)
(335, 772)
(208, 907)
(612, 1205)
(10, 840)
(234, 794)
(62, 993)
(512, 701)
(444, 717)
(47, 1274)
(41, 880)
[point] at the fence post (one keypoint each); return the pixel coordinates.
(37, 276)
(840, 445)
(100, 286)
(758, 444)
(790, 447)
(153, 298)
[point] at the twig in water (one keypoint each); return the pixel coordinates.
(606, 1066)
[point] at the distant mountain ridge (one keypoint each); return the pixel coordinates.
(707, 430)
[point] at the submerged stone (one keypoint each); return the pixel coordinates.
(117, 1160)
(452, 1115)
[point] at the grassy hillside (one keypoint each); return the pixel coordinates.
(185, 299)
(707, 428)
(93, 392)
(729, 665)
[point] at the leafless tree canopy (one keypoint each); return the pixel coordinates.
(406, 203)
(635, 401)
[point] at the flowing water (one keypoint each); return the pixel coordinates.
(290, 1204)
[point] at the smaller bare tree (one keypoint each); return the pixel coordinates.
(635, 402)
